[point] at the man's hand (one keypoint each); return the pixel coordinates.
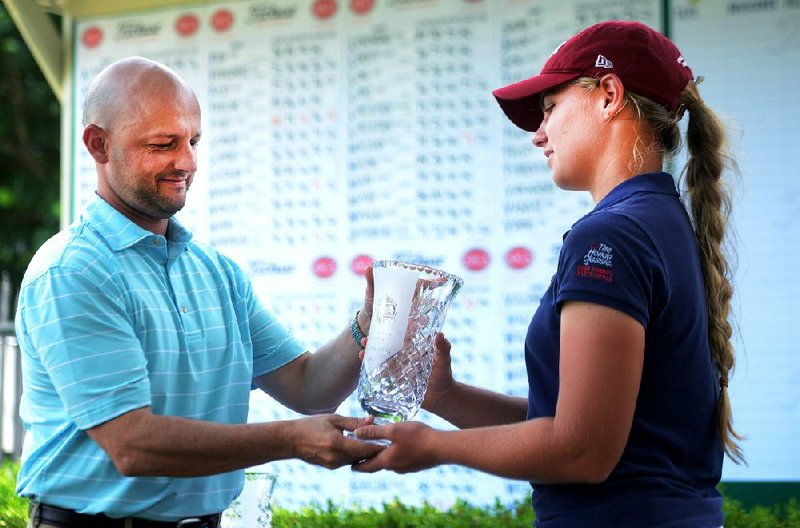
(319, 440)
(365, 314)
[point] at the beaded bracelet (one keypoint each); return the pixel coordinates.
(358, 335)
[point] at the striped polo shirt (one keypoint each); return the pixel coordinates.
(112, 318)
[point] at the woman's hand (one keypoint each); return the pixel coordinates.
(441, 381)
(410, 449)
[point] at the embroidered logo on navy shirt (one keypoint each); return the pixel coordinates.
(598, 263)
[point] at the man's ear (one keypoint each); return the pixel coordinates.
(96, 141)
(612, 92)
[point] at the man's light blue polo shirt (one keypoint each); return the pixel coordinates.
(113, 318)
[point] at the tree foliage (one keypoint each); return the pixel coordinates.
(29, 153)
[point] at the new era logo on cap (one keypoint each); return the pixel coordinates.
(603, 62)
(558, 48)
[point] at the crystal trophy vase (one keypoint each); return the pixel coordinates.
(408, 310)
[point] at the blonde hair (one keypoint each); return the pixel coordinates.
(709, 204)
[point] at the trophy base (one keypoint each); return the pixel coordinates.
(385, 413)
(380, 418)
(377, 441)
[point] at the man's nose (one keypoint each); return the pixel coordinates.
(187, 158)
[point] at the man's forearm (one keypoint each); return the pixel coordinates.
(332, 373)
(316, 383)
(141, 443)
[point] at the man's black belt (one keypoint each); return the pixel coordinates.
(60, 516)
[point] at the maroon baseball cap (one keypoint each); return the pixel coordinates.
(646, 61)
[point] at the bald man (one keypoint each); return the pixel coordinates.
(140, 346)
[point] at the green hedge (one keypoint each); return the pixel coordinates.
(462, 515)
(398, 515)
(13, 509)
(14, 513)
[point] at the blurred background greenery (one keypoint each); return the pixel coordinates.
(29, 154)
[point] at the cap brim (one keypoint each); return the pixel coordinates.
(520, 101)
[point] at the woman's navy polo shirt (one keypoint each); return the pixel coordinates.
(636, 252)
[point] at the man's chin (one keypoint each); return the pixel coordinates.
(172, 204)
(169, 209)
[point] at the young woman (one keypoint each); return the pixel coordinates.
(628, 353)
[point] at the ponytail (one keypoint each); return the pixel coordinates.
(710, 205)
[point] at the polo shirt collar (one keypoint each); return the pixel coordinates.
(120, 233)
(653, 182)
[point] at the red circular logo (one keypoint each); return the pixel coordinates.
(187, 25)
(359, 264)
(476, 259)
(324, 8)
(324, 267)
(361, 7)
(519, 257)
(92, 37)
(222, 20)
